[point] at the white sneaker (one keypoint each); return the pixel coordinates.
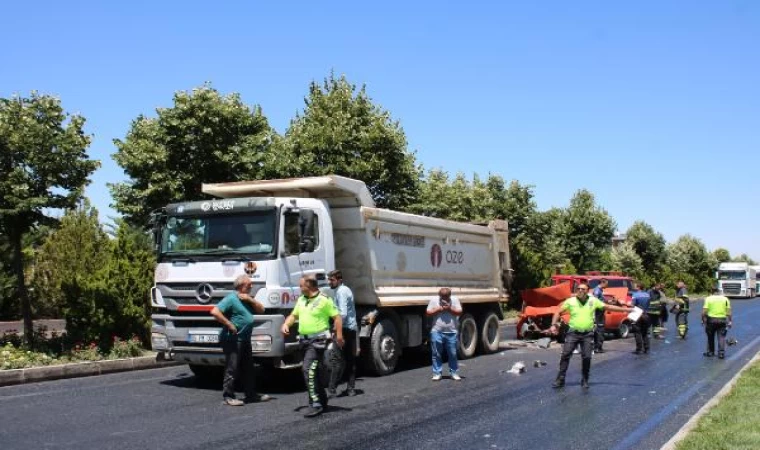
(456, 377)
(436, 378)
(576, 351)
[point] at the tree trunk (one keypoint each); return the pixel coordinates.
(18, 269)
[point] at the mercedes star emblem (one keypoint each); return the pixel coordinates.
(204, 292)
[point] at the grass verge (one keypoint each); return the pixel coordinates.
(734, 424)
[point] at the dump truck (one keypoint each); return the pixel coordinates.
(277, 231)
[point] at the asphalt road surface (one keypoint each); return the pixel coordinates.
(635, 402)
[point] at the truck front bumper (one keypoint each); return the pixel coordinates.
(171, 336)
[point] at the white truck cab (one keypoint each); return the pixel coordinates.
(737, 279)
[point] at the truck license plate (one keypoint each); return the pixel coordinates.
(204, 338)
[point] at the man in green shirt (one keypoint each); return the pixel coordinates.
(314, 311)
(235, 312)
(582, 309)
(716, 317)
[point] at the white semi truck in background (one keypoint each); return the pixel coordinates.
(737, 279)
(757, 279)
(277, 231)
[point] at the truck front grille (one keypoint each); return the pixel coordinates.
(732, 288)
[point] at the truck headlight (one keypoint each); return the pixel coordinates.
(261, 343)
(159, 341)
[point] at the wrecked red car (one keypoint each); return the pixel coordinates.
(540, 304)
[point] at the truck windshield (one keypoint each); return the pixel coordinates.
(732, 275)
(248, 233)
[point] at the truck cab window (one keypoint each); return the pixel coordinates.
(291, 233)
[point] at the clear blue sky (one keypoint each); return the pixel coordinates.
(653, 106)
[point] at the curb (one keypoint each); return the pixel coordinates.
(83, 369)
(692, 423)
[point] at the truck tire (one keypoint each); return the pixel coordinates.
(488, 333)
(383, 348)
(468, 337)
(207, 374)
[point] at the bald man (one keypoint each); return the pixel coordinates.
(444, 311)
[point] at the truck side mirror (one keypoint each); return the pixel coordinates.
(157, 221)
(306, 239)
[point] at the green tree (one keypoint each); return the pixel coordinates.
(586, 231)
(649, 245)
(45, 167)
(342, 132)
(745, 258)
(721, 255)
(74, 252)
(204, 137)
(689, 260)
(113, 301)
(625, 258)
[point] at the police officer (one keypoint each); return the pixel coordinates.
(655, 311)
(599, 317)
(641, 328)
(716, 317)
(581, 308)
(314, 311)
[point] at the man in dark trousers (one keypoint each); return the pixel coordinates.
(716, 317)
(235, 312)
(314, 311)
(599, 322)
(641, 327)
(344, 301)
(581, 308)
(654, 311)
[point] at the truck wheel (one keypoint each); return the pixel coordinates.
(488, 332)
(207, 374)
(383, 348)
(468, 337)
(624, 330)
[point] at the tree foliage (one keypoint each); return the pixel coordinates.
(342, 132)
(688, 260)
(648, 244)
(586, 231)
(73, 253)
(44, 166)
(204, 137)
(721, 255)
(625, 258)
(745, 258)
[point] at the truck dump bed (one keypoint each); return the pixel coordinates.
(391, 258)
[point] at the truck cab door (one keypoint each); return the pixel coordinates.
(306, 245)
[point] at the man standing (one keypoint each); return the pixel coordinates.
(682, 309)
(716, 317)
(314, 311)
(344, 301)
(445, 311)
(641, 327)
(654, 311)
(235, 312)
(581, 308)
(599, 317)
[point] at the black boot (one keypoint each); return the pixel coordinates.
(559, 383)
(586, 369)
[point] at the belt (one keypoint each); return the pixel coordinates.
(320, 335)
(581, 331)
